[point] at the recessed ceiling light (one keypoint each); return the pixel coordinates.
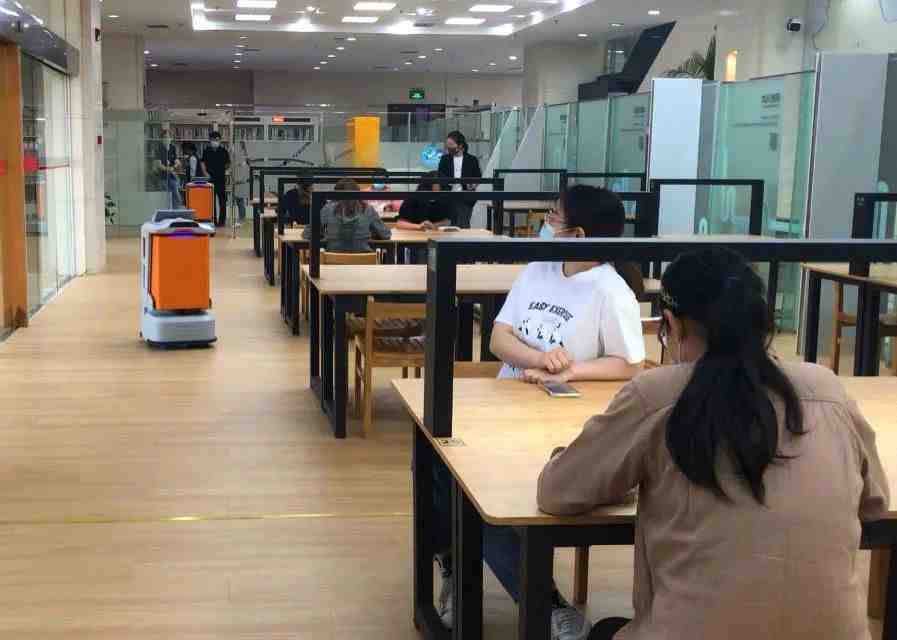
(475, 70)
(361, 19)
(512, 57)
(654, 12)
(438, 49)
(244, 38)
(113, 16)
(424, 11)
(490, 8)
(616, 25)
(237, 54)
(154, 65)
(519, 15)
(471, 22)
(316, 68)
(253, 17)
(309, 8)
(256, 4)
(235, 61)
(323, 62)
(492, 64)
(340, 48)
(407, 62)
(374, 6)
(331, 55)
(351, 39)
(728, 12)
(421, 57)
(582, 35)
(146, 52)
(240, 46)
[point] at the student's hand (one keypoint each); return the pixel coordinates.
(556, 360)
(426, 225)
(540, 376)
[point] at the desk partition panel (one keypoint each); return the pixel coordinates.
(712, 225)
(866, 224)
(620, 178)
(446, 255)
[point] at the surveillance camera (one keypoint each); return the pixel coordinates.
(794, 25)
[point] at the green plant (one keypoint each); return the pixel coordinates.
(697, 65)
(111, 209)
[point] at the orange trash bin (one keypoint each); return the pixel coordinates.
(201, 198)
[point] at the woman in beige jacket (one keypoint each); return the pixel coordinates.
(753, 476)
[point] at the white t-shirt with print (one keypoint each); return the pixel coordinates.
(592, 314)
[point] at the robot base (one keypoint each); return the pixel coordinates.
(172, 330)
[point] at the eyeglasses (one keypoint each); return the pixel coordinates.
(663, 334)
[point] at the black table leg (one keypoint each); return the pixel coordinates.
(814, 300)
(295, 294)
(871, 334)
(340, 352)
(256, 231)
(464, 345)
(314, 336)
(467, 555)
(889, 624)
(327, 354)
(488, 310)
(268, 249)
(860, 354)
(536, 569)
(284, 303)
(772, 288)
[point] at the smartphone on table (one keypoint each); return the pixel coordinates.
(560, 390)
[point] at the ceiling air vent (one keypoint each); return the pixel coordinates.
(157, 26)
(409, 53)
(383, 68)
(424, 24)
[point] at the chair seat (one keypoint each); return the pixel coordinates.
(385, 326)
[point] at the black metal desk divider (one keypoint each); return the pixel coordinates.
(863, 223)
(446, 254)
(755, 221)
(597, 175)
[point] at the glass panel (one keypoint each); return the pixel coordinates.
(555, 149)
(509, 138)
(591, 154)
(49, 207)
(764, 130)
(627, 147)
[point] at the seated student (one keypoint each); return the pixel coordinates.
(573, 320)
(383, 207)
(753, 475)
(349, 225)
(420, 213)
(562, 321)
(295, 205)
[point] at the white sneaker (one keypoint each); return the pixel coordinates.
(446, 607)
(569, 624)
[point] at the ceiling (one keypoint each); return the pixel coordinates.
(174, 42)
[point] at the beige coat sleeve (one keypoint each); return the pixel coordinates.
(875, 497)
(603, 464)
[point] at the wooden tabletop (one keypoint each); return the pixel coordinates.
(509, 428)
(403, 236)
(527, 205)
(411, 279)
(652, 287)
(881, 274)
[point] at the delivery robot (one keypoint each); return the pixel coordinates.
(174, 278)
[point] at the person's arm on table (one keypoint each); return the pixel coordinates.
(603, 464)
(378, 229)
(875, 496)
(607, 368)
(508, 348)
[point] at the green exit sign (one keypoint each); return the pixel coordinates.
(417, 94)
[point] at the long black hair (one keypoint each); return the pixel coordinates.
(726, 406)
(459, 139)
(428, 180)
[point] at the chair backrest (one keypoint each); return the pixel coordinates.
(332, 257)
(477, 369)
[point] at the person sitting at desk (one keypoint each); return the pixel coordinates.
(295, 203)
(753, 475)
(567, 321)
(561, 322)
(349, 225)
(384, 208)
(421, 213)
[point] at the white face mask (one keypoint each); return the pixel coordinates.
(547, 232)
(215, 144)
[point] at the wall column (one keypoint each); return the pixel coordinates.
(554, 71)
(124, 73)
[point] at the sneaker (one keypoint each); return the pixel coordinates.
(446, 608)
(568, 623)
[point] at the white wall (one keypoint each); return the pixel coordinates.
(124, 76)
(858, 24)
(350, 90)
(554, 71)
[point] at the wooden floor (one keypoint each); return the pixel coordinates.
(199, 494)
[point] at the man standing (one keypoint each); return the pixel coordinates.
(457, 163)
(168, 160)
(215, 162)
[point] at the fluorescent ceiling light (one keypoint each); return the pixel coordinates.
(475, 70)
(113, 16)
(654, 12)
(146, 52)
(616, 25)
(519, 15)
(351, 39)
(253, 17)
(323, 62)
(256, 4)
(470, 22)
(407, 62)
(241, 46)
(421, 57)
(492, 64)
(582, 35)
(154, 65)
(340, 48)
(490, 8)
(331, 55)
(316, 68)
(9, 12)
(438, 49)
(243, 38)
(374, 6)
(361, 19)
(503, 29)
(512, 57)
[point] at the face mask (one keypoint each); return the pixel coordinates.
(215, 144)
(547, 232)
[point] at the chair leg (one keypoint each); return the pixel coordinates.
(417, 372)
(838, 309)
(878, 582)
(894, 354)
(358, 370)
(581, 576)
(368, 399)
(404, 372)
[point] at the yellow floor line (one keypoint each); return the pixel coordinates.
(210, 518)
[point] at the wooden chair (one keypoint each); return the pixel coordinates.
(650, 327)
(477, 369)
(887, 328)
(374, 350)
(329, 257)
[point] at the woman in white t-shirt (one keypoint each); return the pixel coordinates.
(561, 322)
(567, 321)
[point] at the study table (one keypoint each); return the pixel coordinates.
(514, 208)
(503, 432)
(882, 278)
(257, 223)
(344, 289)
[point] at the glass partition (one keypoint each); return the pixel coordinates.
(508, 125)
(554, 151)
(763, 130)
(49, 203)
(591, 136)
(628, 135)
